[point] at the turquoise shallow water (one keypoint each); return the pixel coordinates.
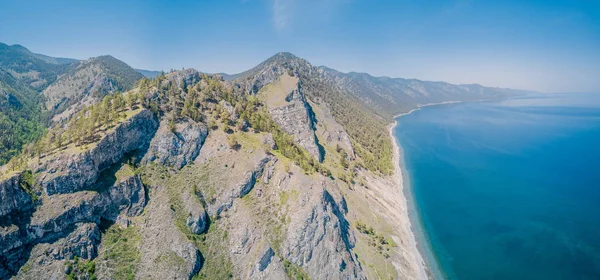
(508, 190)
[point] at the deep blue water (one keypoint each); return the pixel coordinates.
(508, 190)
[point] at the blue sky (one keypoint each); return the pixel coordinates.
(551, 46)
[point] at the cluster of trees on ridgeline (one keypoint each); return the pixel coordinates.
(201, 101)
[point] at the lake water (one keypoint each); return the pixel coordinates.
(508, 190)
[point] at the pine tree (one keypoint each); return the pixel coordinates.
(131, 98)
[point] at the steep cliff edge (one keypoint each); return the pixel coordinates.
(178, 146)
(13, 195)
(291, 111)
(42, 230)
(72, 171)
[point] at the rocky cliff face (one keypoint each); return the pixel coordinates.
(64, 226)
(176, 147)
(319, 238)
(74, 171)
(165, 250)
(12, 195)
(64, 222)
(291, 111)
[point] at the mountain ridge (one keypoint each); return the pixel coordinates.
(285, 171)
(32, 84)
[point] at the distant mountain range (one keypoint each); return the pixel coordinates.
(383, 95)
(148, 73)
(35, 89)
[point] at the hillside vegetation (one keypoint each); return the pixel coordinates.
(280, 173)
(34, 88)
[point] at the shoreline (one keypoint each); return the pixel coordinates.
(428, 265)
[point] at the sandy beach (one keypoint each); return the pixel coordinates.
(418, 244)
(421, 265)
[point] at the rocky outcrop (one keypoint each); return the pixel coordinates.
(244, 187)
(127, 198)
(166, 253)
(197, 220)
(13, 197)
(178, 147)
(81, 242)
(67, 224)
(250, 248)
(183, 78)
(230, 109)
(294, 116)
(294, 119)
(47, 259)
(319, 240)
(10, 238)
(71, 172)
(329, 131)
(268, 265)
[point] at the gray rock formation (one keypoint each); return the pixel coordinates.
(319, 239)
(197, 220)
(268, 266)
(249, 246)
(59, 212)
(242, 188)
(166, 253)
(64, 214)
(48, 259)
(176, 148)
(269, 142)
(295, 118)
(13, 197)
(72, 172)
(183, 78)
(10, 238)
(230, 109)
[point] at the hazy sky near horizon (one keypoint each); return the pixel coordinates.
(550, 46)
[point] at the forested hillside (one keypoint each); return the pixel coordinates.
(34, 88)
(21, 118)
(23, 75)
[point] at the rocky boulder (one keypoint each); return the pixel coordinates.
(230, 109)
(197, 220)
